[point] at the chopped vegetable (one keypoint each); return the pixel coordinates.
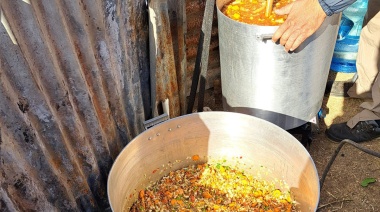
(195, 157)
(212, 187)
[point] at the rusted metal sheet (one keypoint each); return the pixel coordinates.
(202, 59)
(163, 70)
(194, 13)
(174, 43)
(74, 90)
(178, 27)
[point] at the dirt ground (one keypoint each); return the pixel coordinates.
(342, 189)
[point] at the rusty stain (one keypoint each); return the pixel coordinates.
(166, 75)
(192, 38)
(195, 12)
(177, 85)
(103, 114)
(23, 105)
(195, 6)
(194, 22)
(214, 50)
(177, 18)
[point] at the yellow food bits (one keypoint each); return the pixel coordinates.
(213, 187)
(236, 16)
(235, 7)
(276, 193)
(253, 12)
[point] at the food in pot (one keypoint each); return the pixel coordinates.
(212, 187)
(253, 12)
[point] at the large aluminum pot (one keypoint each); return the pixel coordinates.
(213, 135)
(261, 79)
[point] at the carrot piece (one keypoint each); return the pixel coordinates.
(141, 194)
(180, 191)
(192, 198)
(206, 195)
(195, 157)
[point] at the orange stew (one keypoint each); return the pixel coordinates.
(213, 187)
(253, 12)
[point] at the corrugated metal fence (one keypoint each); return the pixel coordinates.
(74, 90)
(73, 85)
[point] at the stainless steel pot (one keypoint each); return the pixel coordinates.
(223, 135)
(261, 79)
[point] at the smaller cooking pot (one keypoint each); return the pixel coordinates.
(259, 78)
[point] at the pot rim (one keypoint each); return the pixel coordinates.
(204, 115)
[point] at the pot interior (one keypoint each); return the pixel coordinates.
(254, 142)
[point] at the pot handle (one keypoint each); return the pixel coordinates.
(264, 37)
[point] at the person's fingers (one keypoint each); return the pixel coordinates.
(284, 10)
(283, 32)
(284, 40)
(285, 36)
(300, 39)
(291, 40)
(288, 32)
(283, 27)
(304, 17)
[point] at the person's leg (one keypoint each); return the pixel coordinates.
(367, 57)
(370, 63)
(363, 126)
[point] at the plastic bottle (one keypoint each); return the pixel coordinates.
(346, 47)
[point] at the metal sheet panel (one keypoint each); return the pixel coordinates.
(162, 62)
(178, 26)
(74, 90)
(182, 33)
(194, 17)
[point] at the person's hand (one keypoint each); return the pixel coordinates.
(304, 18)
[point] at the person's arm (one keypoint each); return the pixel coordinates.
(334, 6)
(304, 18)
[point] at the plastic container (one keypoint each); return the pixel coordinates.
(346, 47)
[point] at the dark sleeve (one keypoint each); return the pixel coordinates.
(334, 6)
